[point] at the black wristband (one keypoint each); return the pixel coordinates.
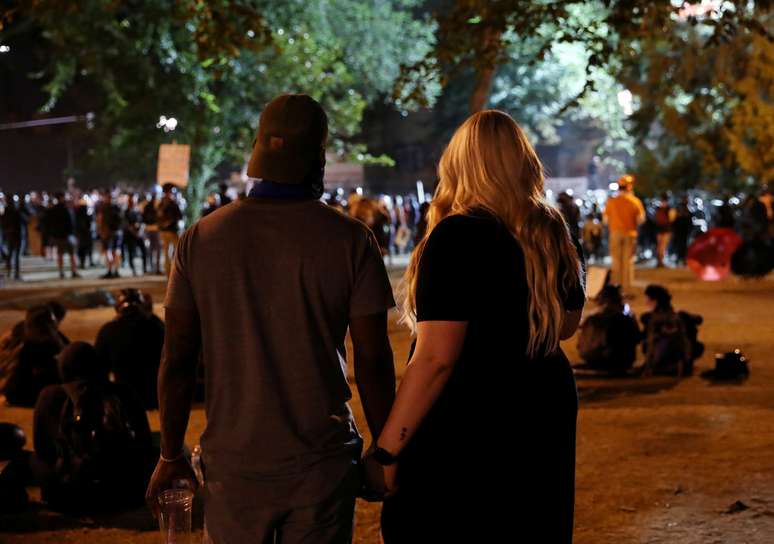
(383, 457)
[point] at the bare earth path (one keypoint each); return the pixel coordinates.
(658, 461)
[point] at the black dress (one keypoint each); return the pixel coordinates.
(494, 460)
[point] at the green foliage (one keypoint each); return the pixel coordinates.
(213, 65)
(705, 101)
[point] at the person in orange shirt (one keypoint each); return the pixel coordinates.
(623, 214)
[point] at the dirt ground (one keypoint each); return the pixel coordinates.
(658, 461)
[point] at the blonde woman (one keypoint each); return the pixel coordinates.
(480, 443)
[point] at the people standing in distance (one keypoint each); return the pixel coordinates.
(109, 232)
(169, 217)
(623, 213)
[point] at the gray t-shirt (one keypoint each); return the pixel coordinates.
(275, 284)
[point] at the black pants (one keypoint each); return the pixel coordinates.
(85, 252)
(13, 258)
(131, 245)
(233, 515)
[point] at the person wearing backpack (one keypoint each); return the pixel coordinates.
(663, 217)
(668, 345)
(91, 437)
(609, 338)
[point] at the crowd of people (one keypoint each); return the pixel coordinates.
(667, 223)
(92, 441)
(126, 226)
(123, 227)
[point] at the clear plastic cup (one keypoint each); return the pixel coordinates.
(175, 516)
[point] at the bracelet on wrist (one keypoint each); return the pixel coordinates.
(172, 459)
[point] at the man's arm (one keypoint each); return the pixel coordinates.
(177, 378)
(177, 382)
(374, 369)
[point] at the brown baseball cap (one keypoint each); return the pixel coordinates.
(290, 144)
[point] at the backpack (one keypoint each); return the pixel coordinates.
(99, 460)
(592, 342)
(668, 348)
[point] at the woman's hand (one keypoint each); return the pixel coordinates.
(166, 476)
(379, 481)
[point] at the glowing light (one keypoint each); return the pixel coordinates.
(5, 48)
(167, 123)
(614, 186)
(626, 101)
(420, 191)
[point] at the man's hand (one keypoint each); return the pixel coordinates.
(166, 476)
(379, 481)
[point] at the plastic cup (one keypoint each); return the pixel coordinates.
(175, 516)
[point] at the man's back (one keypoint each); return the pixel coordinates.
(274, 285)
(624, 212)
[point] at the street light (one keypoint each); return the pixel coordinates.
(167, 123)
(5, 48)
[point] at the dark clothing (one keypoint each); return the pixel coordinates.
(36, 369)
(60, 222)
(14, 221)
(84, 231)
(457, 466)
(572, 216)
(109, 223)
(14, 225)
(275, 285)
(682, 227)
(622, 336)
(149, 213)
(329, 521)
(47, 421)
(169, 215)
(685, 346)
(133, 240)
(130, 347)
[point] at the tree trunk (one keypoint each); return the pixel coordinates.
(489, 52)
(484, 79)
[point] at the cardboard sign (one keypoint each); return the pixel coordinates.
(173, 164)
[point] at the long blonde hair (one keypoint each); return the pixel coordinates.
(490, 165)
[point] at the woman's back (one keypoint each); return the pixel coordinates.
(472, 270)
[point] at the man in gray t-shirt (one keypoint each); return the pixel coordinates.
(265, 289)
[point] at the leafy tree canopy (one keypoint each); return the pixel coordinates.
(213, 65)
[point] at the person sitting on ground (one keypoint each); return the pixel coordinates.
(92, 438)
(34, 365)
(16, 334)
(14, 472)
(130, 345)
(671, 338)
(609, 338)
